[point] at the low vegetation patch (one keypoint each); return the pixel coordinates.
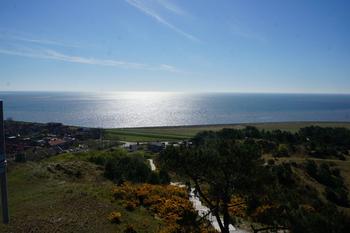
(335, 190)
(170, 203)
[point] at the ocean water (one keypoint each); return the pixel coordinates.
(138, 109)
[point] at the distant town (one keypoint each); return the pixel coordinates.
(35, 141)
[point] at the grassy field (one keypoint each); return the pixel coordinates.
(186, 132)
(66, 194)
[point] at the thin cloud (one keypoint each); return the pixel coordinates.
(152, 13)
(171, 7)
(37, 41)
(54, 55)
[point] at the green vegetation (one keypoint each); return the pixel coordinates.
(66, 193)
(222, 166)
(272, 179)
(138, 135)
(278, 196)
(186, 132)
(168, 202)
(120, 166)
(336, 191)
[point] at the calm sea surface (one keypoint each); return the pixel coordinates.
(136, 109)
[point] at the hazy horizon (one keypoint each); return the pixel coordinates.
(177, 92)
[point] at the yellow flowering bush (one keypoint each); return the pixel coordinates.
(167, 202)
(114, 217)
(261, 210)
(237, 206)
(130, 205)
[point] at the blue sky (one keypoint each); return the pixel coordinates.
(175, 45)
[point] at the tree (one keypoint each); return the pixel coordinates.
(219, 167)
(128, 168)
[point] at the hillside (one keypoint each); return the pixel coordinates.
(107, 189)
(66, 194)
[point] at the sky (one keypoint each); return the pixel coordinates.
(290, 46)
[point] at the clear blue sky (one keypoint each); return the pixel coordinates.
(175, 45)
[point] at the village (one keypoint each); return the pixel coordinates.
(36, 141)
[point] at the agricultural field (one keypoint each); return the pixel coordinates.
(185, 132)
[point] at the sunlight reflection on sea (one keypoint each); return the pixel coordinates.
(137, 109)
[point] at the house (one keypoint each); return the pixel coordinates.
(131, 147)
(58, 144)
(156, 147)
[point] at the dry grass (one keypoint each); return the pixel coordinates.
(60, 195)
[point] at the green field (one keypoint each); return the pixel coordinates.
(185, 132)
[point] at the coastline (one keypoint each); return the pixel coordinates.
(185, 132)
(272, 123)
(335, 123)
(174, 133)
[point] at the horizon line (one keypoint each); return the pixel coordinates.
(181, 92)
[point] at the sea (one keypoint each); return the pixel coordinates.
(146, 109)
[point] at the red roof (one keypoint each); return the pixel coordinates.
(56, 142)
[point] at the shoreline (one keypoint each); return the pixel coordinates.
(235, 124)
(186, 132)
(199, 125)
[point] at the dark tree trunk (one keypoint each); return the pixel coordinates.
(214, 209)
(226, 214)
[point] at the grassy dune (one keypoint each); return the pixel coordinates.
(66, 194)
(343, 166)
(186, 132)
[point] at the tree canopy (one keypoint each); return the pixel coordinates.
(219, 167)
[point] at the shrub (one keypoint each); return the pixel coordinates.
(311, 168)
(164, 177)
(237, 206)
(114, 217)
(284, 174)
(166, 201)
(153, 178)
(270, 162)
(20, 158)
(126, 168)
(130, 205)
(339, 197)
(130, 229)
(281, 151)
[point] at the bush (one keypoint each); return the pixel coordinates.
(311, 168)
(284, 174)
(101, 157)
(114, 217)
(271, 162)
(126, 168)
(168, 202)
(164, 177)
(20, 158)
(130, 205)
(130, 229)
(281, 151)
(153, 178)
(339, 197)
(326, 177)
